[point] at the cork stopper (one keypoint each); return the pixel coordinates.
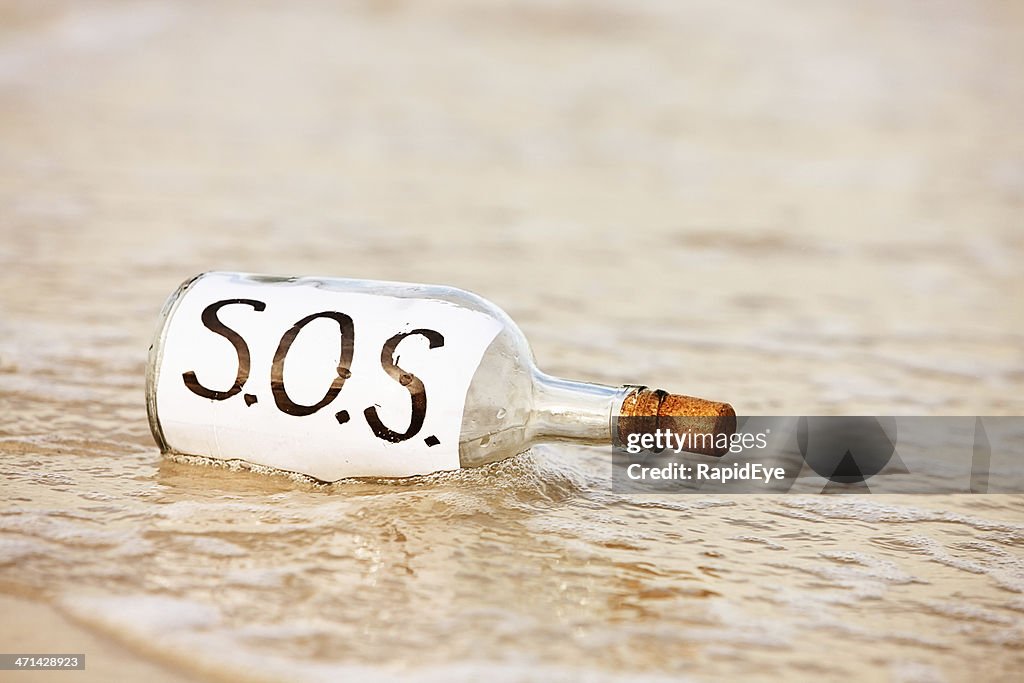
(707, 425)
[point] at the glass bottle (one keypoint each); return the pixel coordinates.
(467, 394)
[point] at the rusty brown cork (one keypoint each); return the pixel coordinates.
(649, 409)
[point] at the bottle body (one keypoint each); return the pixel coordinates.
(334, 378)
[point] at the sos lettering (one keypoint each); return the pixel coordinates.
(346, 341)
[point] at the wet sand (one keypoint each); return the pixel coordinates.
(33, 628)
(803, 209)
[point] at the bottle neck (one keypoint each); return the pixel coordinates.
(564, 410)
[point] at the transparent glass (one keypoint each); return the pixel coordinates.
(510, 404)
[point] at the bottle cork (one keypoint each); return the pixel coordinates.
(702, 422)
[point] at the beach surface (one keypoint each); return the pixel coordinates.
(802, 209)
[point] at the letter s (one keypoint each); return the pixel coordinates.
(213, 323)
(410, 381)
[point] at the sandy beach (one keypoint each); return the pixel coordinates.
(38, 627)
(800, 208)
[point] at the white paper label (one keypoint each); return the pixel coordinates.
(303, 376)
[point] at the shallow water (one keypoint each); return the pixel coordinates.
(807, 210)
